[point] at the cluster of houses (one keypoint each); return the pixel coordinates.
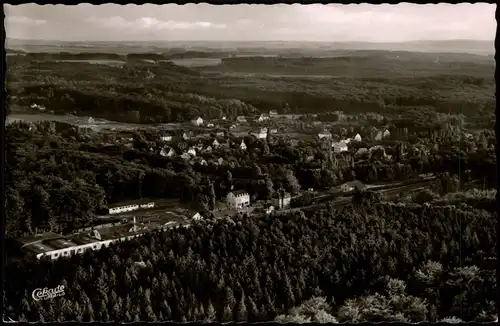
(191, 152)
(240, 119)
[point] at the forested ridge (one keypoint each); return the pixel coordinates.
(363, 260)
(171, 93)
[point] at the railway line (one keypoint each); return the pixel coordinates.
(347, 199)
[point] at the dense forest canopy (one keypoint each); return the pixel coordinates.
(365, 261)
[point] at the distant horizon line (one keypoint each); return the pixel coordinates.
(249, 41)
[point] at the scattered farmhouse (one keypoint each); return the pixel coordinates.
(357, 137)
(210, 125)
(273, 113)
(262, 134)
(243, 146)
(238, 199)
(167, 152)
(38, 107)
(192, 151)
(274, 131)
(352, 185)
(215, 143)
(386, 134)
(197, 122)
(325, 134)
(263, 117)
(185, 156)
(339, 147)
(166, 138)
(197, 216)
(241, 119)
(379, 136)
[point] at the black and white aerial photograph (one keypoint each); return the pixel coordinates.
(250, 163)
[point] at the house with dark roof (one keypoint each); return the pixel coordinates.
(352, 185)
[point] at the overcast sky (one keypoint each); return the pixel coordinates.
(332, 23)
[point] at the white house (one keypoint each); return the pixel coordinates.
(238, 199)
(197, 122)
(164, 151)
(167, 152)
(357, 137)
(210, 125)
(116, 209)
(203, 162)
(274, 131)
(243, 146)
(166, 138)
(219, 134)
(215, 143)
(263, 117)
(220, 160)
(208, 149)
(90, 121)
(128, 207)
(241, 119)
(147, 205)
(232, 127)
(325, 134)
(224, 118)
(262, 134)
(185, 156)
(339, 147)
(197, 217)
(39, 107)
(192, 151)
(273, 113)
(386, 134)
(378, 136)
(352, 185)
(186, 136)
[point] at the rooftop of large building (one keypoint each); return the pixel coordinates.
(130, 202)
(38, 238)
(38, 248)
(240, 192)
(61, 244)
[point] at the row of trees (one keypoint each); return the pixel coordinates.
(371, 262)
